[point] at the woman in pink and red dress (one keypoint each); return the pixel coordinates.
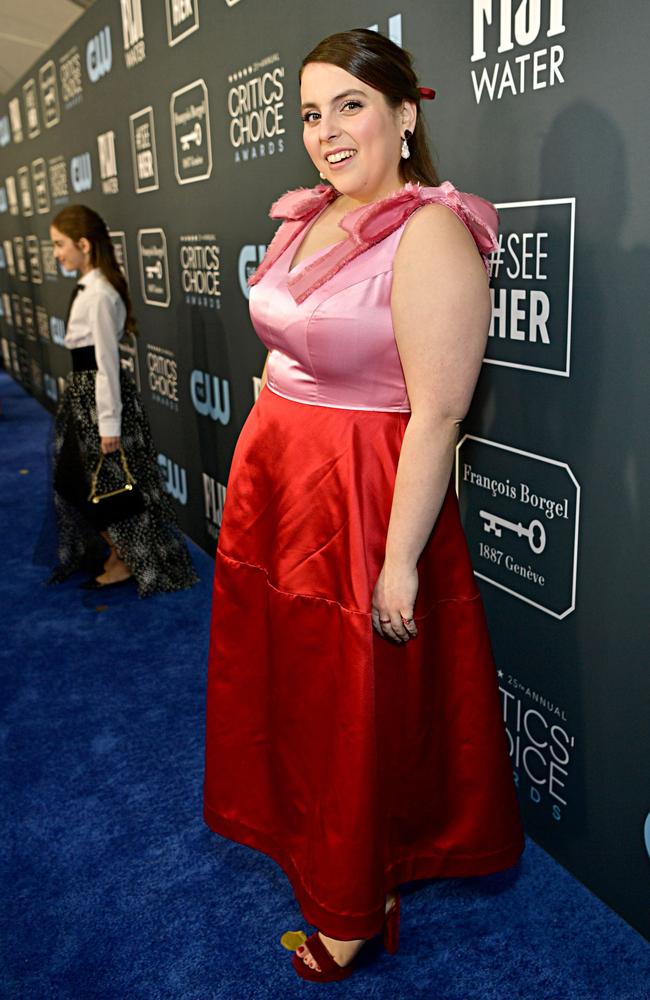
(354, 731)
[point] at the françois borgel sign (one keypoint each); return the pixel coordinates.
(520, 514)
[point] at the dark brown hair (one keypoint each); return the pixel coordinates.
(76, 221)
(376, 60)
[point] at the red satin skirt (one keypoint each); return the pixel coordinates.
(356, 763)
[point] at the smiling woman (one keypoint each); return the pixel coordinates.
(354, 728)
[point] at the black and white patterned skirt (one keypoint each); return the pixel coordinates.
(144, 532)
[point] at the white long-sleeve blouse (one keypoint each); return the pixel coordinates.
(97, 319)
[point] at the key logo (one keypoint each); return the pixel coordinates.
(40, 186)
(34, 257)
(154, 267)
(190, 118)
(31, 109)
(25, 191)
(520, 513)
(16, 119)
(49, 94)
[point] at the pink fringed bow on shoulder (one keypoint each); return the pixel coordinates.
(366, 226)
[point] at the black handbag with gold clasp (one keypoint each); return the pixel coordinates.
(119, 499)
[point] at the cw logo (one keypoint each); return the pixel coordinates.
(174, 478)
(81, 172)
(210, 396)
(99, 55)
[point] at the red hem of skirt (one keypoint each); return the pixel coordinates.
(366, 925)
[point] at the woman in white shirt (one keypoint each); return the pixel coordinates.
(100, 422)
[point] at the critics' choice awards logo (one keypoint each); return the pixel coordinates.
(143, 147)
(49, 94)
(71, 78)
(540, 743)
(40, 186)
(250, 257)
(30, 100)
(210, 396)
(34, 258)
(532, 287)
(503, 26)
(108, 162)
(520, 514)
(99, 55)
(255, 109)
(162, 376)
(16, 119)
(58, 171)
(154, 267)
(214, 498)
(190, 118)
(182, 19)
(200, 262)
(132, 32)
(25, 191)
(81, 173)
(174, 478)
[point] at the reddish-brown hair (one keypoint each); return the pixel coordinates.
(376, 60)
(76, 221)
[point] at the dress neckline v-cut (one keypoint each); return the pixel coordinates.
(293, 267)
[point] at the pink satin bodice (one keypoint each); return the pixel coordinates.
(327, 322)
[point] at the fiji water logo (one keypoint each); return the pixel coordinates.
(210, 396)
(174, 478)
(99, 55)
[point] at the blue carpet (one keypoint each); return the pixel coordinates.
(113, 888)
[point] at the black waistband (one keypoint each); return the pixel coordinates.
(83, 359)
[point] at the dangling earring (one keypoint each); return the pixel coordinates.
(321, 174)
(406, 152)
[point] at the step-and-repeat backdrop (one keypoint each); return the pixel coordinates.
(178, 120)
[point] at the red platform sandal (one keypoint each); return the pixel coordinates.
(330, 971)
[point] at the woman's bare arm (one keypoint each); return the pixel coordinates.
(441, 314)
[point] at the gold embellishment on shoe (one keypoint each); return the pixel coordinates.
(293, 939)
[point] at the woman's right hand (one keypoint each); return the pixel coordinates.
(109, 444)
